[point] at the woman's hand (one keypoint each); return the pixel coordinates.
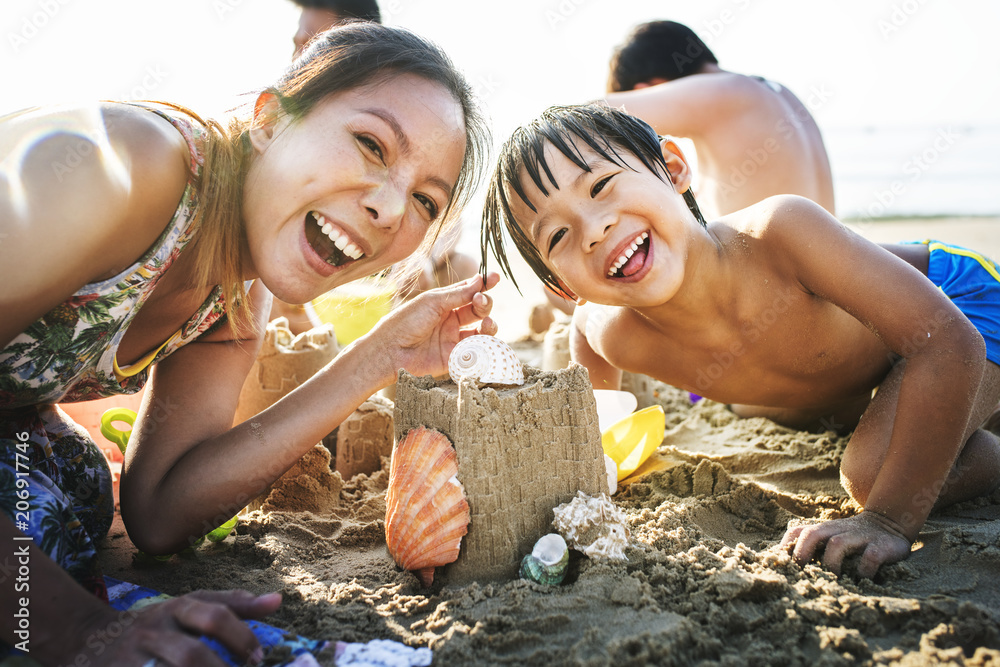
(420, 335)
(168, 631)
(877, 537)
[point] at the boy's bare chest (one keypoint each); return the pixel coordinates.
(789, 348)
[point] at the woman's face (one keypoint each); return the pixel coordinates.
(351, 187)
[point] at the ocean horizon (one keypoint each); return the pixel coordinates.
(915, 171)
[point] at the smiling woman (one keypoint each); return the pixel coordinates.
(156, 248)
(364, 176)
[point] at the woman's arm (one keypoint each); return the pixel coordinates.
(188, 470)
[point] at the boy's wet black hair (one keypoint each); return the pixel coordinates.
(657, 50)
(606, 131)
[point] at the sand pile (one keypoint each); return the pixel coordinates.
(704, 580)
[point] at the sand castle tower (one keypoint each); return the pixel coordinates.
(522, 451)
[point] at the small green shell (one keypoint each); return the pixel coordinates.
(547, 562)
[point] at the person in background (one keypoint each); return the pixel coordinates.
(318, 15)
(753, 137)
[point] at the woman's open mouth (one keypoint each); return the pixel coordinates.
(329, 241)
(631, 259)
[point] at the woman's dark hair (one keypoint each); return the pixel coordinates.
(337, 60)
(606, 131)
(657, 50)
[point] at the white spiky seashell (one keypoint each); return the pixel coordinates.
(593, 525)
(486, 359)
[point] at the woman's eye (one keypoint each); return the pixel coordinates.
(372, 145)
(599, 185)
(429, 204)
(556, 238)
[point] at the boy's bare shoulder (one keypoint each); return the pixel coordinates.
(778, 218)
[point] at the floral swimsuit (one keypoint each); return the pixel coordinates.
(69, 355)
(55, 483)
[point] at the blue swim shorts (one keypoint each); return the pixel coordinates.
(972, 282)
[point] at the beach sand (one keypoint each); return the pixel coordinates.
(705, 581)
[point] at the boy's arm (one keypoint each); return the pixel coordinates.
(590, 323)
(685, 107)
(945, 360)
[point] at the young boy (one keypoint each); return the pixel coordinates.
(777, 308)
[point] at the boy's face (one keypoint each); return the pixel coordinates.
(613, 235)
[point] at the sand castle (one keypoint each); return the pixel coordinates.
(522, 451)
(286, 361)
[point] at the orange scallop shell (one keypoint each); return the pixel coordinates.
(426, 512)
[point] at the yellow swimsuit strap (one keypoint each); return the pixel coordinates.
(142, 364)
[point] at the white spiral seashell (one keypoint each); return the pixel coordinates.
(486, 359)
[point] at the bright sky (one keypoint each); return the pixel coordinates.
(858, 62)
(855, 63)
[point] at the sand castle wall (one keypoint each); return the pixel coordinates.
(521, 452)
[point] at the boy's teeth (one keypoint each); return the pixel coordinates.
(620, 262)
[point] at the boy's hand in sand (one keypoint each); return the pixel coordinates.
(420, 335)
(876, 537)
(168, 631)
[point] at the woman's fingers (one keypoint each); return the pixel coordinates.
(487, 327)
(243, 603)
(184, 650)
(216, 614)
(840, 546)
(808, 540)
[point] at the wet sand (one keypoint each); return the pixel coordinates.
(705, 581)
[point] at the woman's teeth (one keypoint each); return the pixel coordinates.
(620, 262)
(339, 239)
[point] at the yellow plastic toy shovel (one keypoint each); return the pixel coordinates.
(116, 435)
(630, 441)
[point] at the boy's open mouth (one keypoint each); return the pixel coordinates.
(330, 242)
(631, 259)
